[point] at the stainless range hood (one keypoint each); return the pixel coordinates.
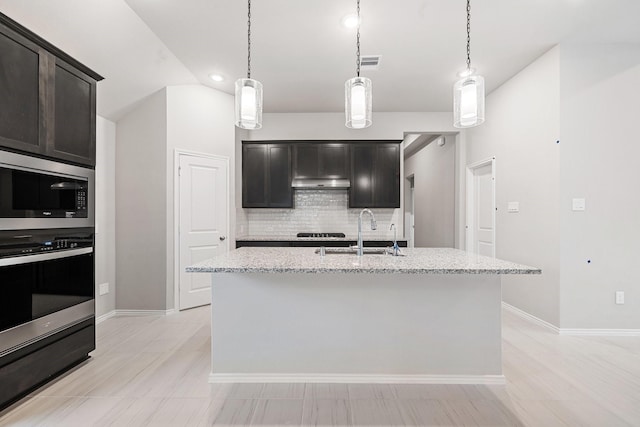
(319, 184)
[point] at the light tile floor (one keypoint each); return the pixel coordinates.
(152, 371)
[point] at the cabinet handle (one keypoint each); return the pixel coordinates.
(222, 238)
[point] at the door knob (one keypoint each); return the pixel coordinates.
(222, 238)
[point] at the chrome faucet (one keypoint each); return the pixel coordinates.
(395, 249)
(373, 227)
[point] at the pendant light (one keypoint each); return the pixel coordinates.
(248, 92)
(468, 92)
(357, 93)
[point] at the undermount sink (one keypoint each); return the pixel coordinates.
(353, 251)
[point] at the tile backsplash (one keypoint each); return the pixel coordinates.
(317, 211)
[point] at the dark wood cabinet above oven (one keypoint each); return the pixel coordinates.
(47, 99)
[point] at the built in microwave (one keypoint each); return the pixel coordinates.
(39, 193)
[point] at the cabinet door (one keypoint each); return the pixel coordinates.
(21, 93)
(305, 160)
(362, 163)
(387, 176)
(280, 191)
(375, 176)
(254, 176)
(334, 161)
(74, 129)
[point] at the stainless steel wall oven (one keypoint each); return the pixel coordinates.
(47, 279)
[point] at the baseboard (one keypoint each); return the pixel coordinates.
(105, 316)
(600, 332)
(593, 332)
(144, 312)
(118, 313)
(530, 317)
(357, 379)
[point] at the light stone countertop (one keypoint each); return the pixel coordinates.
(305, 260)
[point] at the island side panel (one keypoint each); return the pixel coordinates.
(355, 324)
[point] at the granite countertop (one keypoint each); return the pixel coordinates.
(305, 260)
(347, 238)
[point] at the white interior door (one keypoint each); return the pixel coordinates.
(203, 224)
(481, 208)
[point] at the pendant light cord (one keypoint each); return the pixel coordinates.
(468, 35)
(358, 43)
(249, 41)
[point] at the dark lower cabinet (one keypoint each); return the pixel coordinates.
(316, 243)
(375, 175)
(47, 99)
(26, 369)
(266, 176)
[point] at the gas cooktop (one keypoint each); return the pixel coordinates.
(321, 235)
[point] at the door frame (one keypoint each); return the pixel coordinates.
(176, 214)
(470, 206)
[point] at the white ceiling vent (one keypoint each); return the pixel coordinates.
(370, 62)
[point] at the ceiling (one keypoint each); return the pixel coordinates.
(303, 55)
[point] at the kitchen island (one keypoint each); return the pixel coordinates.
(291, 315)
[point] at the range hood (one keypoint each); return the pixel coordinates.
(315, 184)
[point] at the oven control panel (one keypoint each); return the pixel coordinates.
(31, 242)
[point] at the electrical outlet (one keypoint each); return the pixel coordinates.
(104, 288)
(619, 297)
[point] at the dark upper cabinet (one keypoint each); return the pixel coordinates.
(375, 175)
(279, 177)
(362, 164)
(372, 167)
(266, 176)
(47, 99)
(74, 116)
(254, 175)
(20, 93)
(320, 160)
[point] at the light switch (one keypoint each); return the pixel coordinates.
(578, 204)
(513, 207)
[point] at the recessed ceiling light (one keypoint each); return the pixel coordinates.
(350, 20)
(216, 77)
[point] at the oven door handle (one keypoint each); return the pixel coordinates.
(27, 259)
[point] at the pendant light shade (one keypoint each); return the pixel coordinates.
(468, 102)
(468, 92)
(358, 102)
(357, 92)
(248, 91)
(248, 104)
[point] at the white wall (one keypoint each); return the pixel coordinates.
(600, 152)
(331, 126)
(521, 131)
(191, 118)
(434, 172)
(105, 255)
(141, 214)
(199, 119)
